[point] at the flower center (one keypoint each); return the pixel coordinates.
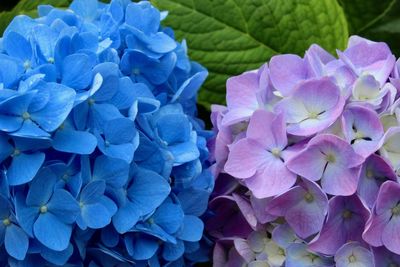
(309, 197)
(281, 252)
(276, 152)
(136, 71)
(347, 214)
(359, 135)
(393, 265)
(50, 60)
(106, 143)
(312, 257)
(151, 221)
(43, 209)
(27, 65)
(396, 210)
(91, 101)
(81, 204)
(330, 158)
(352, 258)
(16, 152)
(370, 174)
(313, 115)
(26, 115)
(6, 222)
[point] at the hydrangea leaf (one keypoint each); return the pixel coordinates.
(29, 8)
(362, 14)
(232, 36)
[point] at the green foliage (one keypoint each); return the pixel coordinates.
(27, 7)
(232, 36)
(362, 14)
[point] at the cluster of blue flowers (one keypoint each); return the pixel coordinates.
(103, 161)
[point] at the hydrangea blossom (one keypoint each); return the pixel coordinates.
(307, 160)
(103, 161)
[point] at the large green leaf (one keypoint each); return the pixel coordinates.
(232, 36)
(362, 14)
(27, 7)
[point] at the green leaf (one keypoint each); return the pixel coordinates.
(232, 36)
(27, 7)
(363, 14)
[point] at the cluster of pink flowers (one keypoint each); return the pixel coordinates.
(307, 154)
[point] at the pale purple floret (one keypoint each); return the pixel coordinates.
(374, 172)
(286, 72)
(330, 159)
(347, 216)
(383, 227)
(247, 93)
(353, 254)
(304, 207)
(314, 106)
(367, 57)
(362, 129)
(259, 159)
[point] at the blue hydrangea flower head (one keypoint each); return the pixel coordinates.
(103, 161)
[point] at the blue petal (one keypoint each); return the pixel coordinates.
(10, 71)
(143, 105)
(109, 204)
(59, 258)
(30, 129)
(24, 167)
(63, 205)
(26, 216)
(101, 113)
(194, 202)
(120, 131)
(148, 190)
(124, 151)
(172, 252)
(174, 128)
(92, 192)
(87, 9)
(16, 105)
(126, 217)
(95, 215)
(141, 247)
(17, 46)
(77, 71)
(124, 98)
(80, 113)
(169, 216)
(51, 232)
(46, 39)
(21, 24)
(109, 236)
(190, 87)
(78, 142)
(110, 73)
(28, 144)
(184, 152)
(41, 188)
(16, 242)
(57, 109)
(192, 229)
(10, 123)
(143, 16)
(114, 171)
